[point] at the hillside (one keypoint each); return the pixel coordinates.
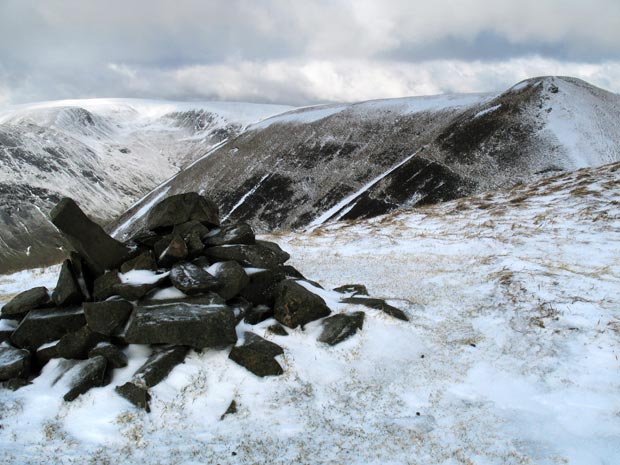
(312, 165)
(510, 355)
(105, 153)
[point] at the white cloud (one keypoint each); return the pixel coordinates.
(311, 81)
(299, 52)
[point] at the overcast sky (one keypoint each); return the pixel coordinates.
(298, 52)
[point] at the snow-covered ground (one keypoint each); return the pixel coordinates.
(510, 357)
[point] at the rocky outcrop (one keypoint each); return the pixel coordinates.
(184, 284)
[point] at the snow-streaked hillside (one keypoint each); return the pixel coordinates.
(510, 357)
(105, 153)
(324, 163)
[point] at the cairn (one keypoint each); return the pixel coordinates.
(183, 283)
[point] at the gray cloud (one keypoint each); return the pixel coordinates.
(298, 52)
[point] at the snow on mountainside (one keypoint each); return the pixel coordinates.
(312, 165)
(105, 153)
(510, 355)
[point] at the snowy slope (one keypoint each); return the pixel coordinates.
(318, 164)
(510, 357)
(105, 153)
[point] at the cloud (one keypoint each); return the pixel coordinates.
(298, 52)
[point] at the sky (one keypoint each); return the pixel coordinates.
(298, 52)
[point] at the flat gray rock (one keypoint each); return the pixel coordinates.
(25, 301)
(106, 317)
(257, 256)
(256, 354)
(14, 363)
(192, 279)
(85, 375)
(295, 305)
(47, 325)
(182, 323)
(339, 327)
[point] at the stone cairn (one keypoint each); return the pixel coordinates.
(184, 282)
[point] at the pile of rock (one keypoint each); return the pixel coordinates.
(183, 283)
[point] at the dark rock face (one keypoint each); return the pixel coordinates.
(261, 290)
(231, 234)
(278, 330)
(257, 256)
(110, 284)
(14, 363)
(47, 325)
(192, 279)
(67, 291)
(155, 369)
(182, 323)
(339, 327)
(90, 240)
(106, 317)
(86, 375)
(45, 353)
(377, 304)
(104, 285)
(137, 395)
(353, 289)
(231, 277)
(257, 355)
(77, 345)
(182, 208)
(25, 301)
(295, 305)
(83, 275)
(144, 261)
(257, 314)
(115, 357)
(175, 251)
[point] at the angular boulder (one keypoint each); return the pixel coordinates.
(377, 304)
(83, 275)
(77, 344)
(275, 248)
(339, 327)
(47, 325)
(25, 301)
(106, 317)
(261, 290)
(152, 372)
(46, 352)
(231, 277)
(144, 261)
(181, 208)
(256, 255)
(258, 314)
(132, 285)
(67, 291)
(175, 251)
(104, 285)
(14, 363)
(84, 376)
(182, 323)
(192, 233)
(277, 329)
(257, 355)
(230, 234)
(115, 357)
(100, 251)
(192, 279)
(295, 305)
